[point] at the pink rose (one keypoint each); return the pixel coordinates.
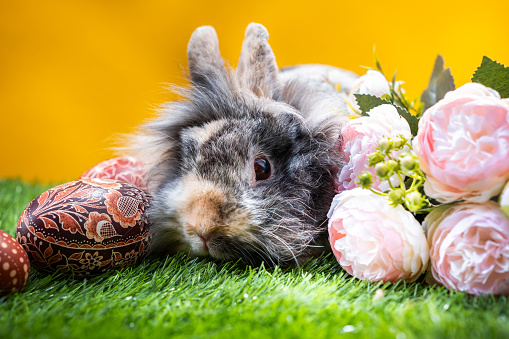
(469, 247)
(360, 138)
(373, 240)
(463, 145)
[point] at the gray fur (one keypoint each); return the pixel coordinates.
(209, 139)
(257, 69)
(203, 54)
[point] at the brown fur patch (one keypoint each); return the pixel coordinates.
(208, 211)
(202, 208)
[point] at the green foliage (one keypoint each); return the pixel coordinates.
(367, 102)
(377, 62)
(181, 298)
(441, 82)
(493, 75)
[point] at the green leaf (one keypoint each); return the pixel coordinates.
(367, 102)
(378, 66)
(441, 82)
(493, 75)
(412, 120)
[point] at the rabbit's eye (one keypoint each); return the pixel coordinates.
(262, 168)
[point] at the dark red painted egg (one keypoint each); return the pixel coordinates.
(14, 264)
(86, 227)
(126, 169)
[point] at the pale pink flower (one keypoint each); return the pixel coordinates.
(361, 137)
(463, 145)
(469, 247)
(375, 241)
(373, 83)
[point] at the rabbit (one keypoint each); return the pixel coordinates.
(242, 166)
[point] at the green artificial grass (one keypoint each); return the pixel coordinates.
(201, 298)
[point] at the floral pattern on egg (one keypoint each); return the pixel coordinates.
(86, 227)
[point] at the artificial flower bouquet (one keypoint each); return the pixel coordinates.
(422, 186)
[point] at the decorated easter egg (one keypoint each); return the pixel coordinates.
(86, 227)
(126, 169)
(14, 264)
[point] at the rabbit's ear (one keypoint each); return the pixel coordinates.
(205, 62)
(257, 69)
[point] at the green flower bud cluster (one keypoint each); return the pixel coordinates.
(405, 166)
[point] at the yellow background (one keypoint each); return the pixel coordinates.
(74, 74)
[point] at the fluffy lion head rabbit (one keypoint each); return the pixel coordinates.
(242, 166)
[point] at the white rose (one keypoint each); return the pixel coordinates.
(373, 83)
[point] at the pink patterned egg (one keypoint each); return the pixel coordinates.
(14, 264)
(86, 227)
(126, 169)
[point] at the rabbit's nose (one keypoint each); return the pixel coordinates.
(205, 239)
(205, 233)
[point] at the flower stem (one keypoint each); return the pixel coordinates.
(378, 193)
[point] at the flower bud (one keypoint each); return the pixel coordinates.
(392, 165)
(366, 179)
(375, 158)
(407, 162)
(413, 200)
(381, 169)
(396, 196)
(383, 144)
(398, 142)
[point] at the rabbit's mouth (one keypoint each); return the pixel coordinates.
(252, 250)
(235, 248)
(203, 238)
(219, 242)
